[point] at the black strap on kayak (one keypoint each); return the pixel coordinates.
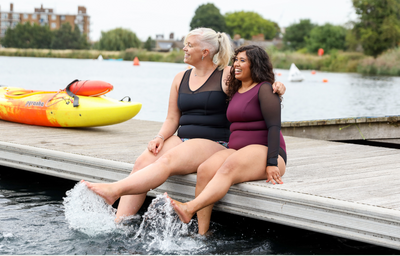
(129, 98)
(71, 94)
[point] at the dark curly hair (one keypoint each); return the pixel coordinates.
(260, 68)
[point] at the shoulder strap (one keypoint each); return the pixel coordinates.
(185, 82)
(71, 94)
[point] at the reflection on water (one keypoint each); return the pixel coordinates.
(344, 95)
(36, 218)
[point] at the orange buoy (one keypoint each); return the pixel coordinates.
(189, 67)
(313, 72)
(279, 74)
(325, 80)
(136, 61)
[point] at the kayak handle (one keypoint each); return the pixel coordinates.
(129, 98)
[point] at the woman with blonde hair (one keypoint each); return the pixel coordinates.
(196, 111)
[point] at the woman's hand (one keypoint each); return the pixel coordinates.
(278, 88)
(273, 174)
(155, 145)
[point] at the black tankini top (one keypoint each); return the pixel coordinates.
(203, 110)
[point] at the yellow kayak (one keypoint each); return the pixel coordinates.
(61, 109)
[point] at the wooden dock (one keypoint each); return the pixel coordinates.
(346, 190)
(384, 129)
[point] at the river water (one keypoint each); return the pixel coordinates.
(47, 215)
(344, 95)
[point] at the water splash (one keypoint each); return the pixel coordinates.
(161, 231)
(87, 212)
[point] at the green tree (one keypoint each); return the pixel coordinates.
(118, 39)
(149, 44)
(28, 36)
(66, 38)
(295, 34)
(277, 29)
(248, 24)
(378, 28)
(81, 39)
(352, 43)
(327, 37)
(208, 16)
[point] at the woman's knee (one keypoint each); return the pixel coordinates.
(165, 161)
(205, 172)
(228, 168)
(142, 161)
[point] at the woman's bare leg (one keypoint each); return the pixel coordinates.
(205, 173)
(246, 164)
(130, 204)
(182, 159)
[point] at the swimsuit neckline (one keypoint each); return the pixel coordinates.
(249, 89)
(202, 84)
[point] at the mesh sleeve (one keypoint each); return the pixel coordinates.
(271, 110)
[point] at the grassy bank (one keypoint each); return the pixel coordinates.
(387, 63)
(128, 54)
(334, 62)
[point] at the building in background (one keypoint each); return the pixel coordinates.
(167, 45)
(44, 16)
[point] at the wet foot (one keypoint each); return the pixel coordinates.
(181, 209)
(104, 190)
(208, 233)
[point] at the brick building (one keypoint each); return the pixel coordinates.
(44, 16)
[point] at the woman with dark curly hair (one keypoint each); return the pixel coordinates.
(256, 140)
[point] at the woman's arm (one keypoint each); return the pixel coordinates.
(278, 87)
(171, 123)
(271, 110)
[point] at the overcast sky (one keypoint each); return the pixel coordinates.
(151, 17)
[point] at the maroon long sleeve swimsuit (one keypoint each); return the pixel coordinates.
(255, 117)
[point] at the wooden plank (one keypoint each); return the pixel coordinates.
(369, 128)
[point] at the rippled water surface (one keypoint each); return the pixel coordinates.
(344, 95)
(46, 215)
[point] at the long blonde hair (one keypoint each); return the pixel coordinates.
(218, 44)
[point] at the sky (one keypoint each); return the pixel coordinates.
(152, 17)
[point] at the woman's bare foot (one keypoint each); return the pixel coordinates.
(181, 209)
(104, 190)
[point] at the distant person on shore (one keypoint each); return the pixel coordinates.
(197, 111)
(256, 140)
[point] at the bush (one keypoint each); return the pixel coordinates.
(175, 57)
(386, 64)
(337, 61)
(118, 39)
